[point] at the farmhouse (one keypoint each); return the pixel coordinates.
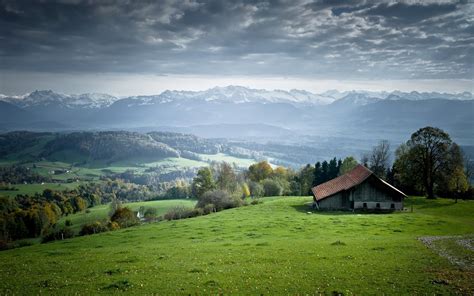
(359, 188)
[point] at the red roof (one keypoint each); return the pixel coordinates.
(350, 179)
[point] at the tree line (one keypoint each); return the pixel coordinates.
(26, 216)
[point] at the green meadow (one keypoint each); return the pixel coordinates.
(99, 213)
(31, 189)
(276, 247)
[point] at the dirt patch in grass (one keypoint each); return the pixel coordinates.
(457, 249)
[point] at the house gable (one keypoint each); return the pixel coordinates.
(359, 188)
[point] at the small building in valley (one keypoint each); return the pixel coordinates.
(359, 188)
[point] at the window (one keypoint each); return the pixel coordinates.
(392, 206)
(364, 205)
(377, 205)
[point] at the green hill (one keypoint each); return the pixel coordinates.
(276, 247)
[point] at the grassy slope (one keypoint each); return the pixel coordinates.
(31, 189)
(270, 248)
(101, 212)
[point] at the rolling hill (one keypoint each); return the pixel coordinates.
(275, 247)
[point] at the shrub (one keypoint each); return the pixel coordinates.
(272, 188)
(150, 213)
(209, 208)
(256, 189)
(180, 212)
(125, 217)
(93, 228)
(59, 234)
(255, 202)
(68, 222)
(220, 199)
(113, 226)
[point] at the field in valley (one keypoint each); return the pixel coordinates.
(276, 247)
(100, 213)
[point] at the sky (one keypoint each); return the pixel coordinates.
(130, 47)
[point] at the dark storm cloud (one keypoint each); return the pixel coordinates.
(325, 39)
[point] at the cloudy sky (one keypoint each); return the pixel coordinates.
(136, 47)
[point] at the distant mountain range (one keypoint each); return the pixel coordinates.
(229, 94)
(240, 112)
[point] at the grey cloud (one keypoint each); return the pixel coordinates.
(328, 39)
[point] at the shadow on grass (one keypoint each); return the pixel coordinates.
(307, 208)
(424, 203)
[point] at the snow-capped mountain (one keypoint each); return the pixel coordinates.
(330, 112)
(228, 94)
(417, 96)
(236, 95)
(45, 98)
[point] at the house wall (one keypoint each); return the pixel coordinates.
(335, 202)
(368, 192)
(381, 205)
(367, 195)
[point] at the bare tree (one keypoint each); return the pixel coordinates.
(379, 159)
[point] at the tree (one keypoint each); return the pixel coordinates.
(305, 177)
(203, 182)
(115, 204)
(425, 158)
(125, 217)
(245, 190)
(348, 164)
(324, 172)
(256, 189)
(379, 159)
(458, 182)
(226, 178)
(333, 169)
(259, 171)
(317, 174)
(219, 200)
(272, 187)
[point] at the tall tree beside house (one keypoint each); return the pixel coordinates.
(426, 158)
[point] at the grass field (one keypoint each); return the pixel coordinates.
(93, 171)
(101, 212)
(31, 189)
(276, 247)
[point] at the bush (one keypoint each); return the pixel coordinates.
(92, 228)
(255, 202)
(68, 222)
(256, 189)
(125, 217)
(209, 208)
(220, 199)
(180, 212)
(272, 188)
(150, 213)
(59, 234)
(113, 226)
